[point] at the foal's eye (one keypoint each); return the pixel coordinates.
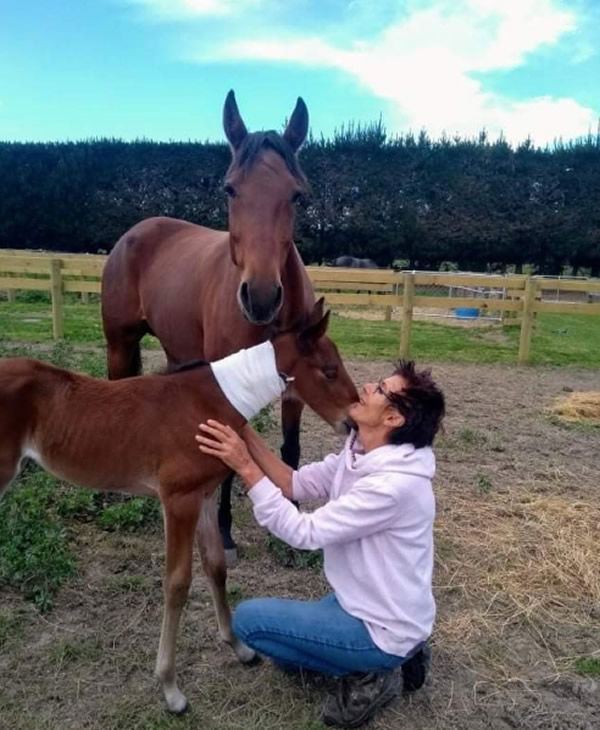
(229, 190)
(297, 197)
(330, 372)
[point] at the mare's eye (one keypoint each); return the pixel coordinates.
(229, 190)
(330, 372)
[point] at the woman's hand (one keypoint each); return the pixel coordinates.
(223, 442)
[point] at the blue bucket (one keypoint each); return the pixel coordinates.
(466, 313)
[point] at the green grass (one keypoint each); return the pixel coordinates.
(588, 665)
(11, 626)
(61, 353)
(559, 339)
(31, 321)
(68, 652)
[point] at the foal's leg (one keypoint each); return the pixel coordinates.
(225, 521)
(8, 471)
(180, 518)
(213, 562)
(10, 455)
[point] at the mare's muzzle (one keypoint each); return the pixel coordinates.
(260, 304)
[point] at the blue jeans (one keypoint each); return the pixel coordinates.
(315, 635)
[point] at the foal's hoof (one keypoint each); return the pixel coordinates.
(185, 709)
(178, 704)
(245, 654)
(255, 661)
(231, 557)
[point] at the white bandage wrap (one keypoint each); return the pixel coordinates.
(249, 378)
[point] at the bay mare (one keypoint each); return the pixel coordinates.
(205, 293)
(137, 436)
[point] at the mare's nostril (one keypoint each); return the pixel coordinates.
(278, 296)
(245, 295)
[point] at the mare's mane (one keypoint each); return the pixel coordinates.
(249, 150)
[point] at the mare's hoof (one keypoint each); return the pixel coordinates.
(231, 557)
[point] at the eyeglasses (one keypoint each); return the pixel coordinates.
(384, 393)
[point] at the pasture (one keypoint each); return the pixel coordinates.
(517, 580)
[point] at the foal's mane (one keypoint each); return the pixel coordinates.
(190, 365)
(249, 150)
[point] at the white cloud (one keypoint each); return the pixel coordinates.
(430, 64)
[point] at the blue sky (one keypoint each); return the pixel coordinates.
(160, 69)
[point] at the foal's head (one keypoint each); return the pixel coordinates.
(310, 357)
(263, 182)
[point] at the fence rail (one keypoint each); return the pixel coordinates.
(385, 289)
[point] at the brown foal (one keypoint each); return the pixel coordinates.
(137, 435)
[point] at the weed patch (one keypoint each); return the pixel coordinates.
(264, 421)
(131, 514)
(34, 555)
(289, 557)
(588, 665)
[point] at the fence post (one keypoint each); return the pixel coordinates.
(10, 295)
(408, 295)
(388, 314)
(85, 297)
(58, 328)
(527, 320)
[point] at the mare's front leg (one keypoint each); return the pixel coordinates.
(180, 513)
(124, 355)
(225, 521)
(291, 413)
(213, 562)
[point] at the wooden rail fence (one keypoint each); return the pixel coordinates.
(384, 289)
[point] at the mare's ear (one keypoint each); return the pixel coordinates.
(233, 124)
(297, 128)
(309, 336)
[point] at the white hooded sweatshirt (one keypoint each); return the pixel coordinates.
(376, 531)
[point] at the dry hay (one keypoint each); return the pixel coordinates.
(513, 561)
(578, 408)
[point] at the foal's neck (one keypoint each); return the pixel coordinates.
(249, 378)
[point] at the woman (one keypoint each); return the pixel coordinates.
(376, 532)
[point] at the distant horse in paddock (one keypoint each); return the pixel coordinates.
(206, 293)
(137, 436)
(353, 263)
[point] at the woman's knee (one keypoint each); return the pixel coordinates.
(248, 616)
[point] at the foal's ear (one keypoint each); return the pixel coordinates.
(297, 128)
(317, 312)
(309, 336)
(233, 124)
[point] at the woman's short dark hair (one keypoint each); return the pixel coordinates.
(421, 403)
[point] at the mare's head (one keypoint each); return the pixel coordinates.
(262, 184)
(305, 353)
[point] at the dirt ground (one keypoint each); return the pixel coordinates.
(516, 583)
